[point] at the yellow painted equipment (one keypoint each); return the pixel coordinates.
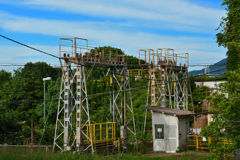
(191, 141)
(197, 142)
(104, 137)
(123, 78)
(111, 80)
(229, 155)
(203, 145)
(137, 72)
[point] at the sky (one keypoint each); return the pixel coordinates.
(187, 26)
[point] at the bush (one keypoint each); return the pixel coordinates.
(179, 149)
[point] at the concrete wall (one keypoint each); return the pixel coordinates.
(200, 121)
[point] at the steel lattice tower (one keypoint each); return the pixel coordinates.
(164, 68)
(73, 116)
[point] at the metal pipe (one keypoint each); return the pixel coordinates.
(44, 105)
(33, 146)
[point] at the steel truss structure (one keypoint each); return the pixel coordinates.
(73, 126)
(164, 71)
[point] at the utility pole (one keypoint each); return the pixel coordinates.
(45, 79)
(32, 132)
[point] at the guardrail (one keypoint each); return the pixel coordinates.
(202, 143)
(104, 137)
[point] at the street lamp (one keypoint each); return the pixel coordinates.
(45, 79)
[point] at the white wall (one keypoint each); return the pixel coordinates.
(159, 118)
(210, 84)
(183, 129)
(196, 130)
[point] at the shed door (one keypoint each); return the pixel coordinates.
(159, 139)
(171, 137)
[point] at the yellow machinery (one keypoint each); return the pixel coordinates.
(137, 72)
(198, 142)
(201, 143)
(191, 141)
(104, 137)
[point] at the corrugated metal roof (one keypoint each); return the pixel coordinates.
(168, 110)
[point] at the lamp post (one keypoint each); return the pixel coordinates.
(45, 79)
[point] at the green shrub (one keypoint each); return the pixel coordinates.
(179, 149)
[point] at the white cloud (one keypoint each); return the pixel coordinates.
(179, 12)
(199, 48)
(12, 55)
(20, 54)
(128, 15)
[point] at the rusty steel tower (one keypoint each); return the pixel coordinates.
(73, 125)
(164, 68)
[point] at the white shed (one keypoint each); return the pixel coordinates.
(170, 128)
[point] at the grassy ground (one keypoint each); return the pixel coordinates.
(30, 154)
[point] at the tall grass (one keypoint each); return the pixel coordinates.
(37, 154)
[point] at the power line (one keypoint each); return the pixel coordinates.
(58, 57)
(91, 95)
(28, 46)
(87, 66)
(193, 65)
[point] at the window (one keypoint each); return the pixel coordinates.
(159, 131)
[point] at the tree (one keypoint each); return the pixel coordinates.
(9, 117)
(4, 77)
(225, 110)
(229, 35)
(16, 95)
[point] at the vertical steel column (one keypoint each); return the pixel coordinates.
(82, 108)
(66, 103)
(153, 87)
(65, 109)
(185, 90)
(84, 86)
(128, 107)
(163, 89)
(79, 138)
(169, 92)
(58, 114)
(145, 115)
(123, 87)
(175, 90)
(113, 96)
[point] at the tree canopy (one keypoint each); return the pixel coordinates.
(225, 103)
(229, 33)
(16, 94)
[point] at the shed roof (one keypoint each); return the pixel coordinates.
(168, 110)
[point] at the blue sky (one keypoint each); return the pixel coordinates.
(184, 25)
